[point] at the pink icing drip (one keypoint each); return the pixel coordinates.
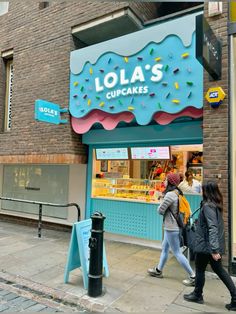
(164, 118)
(110, 121)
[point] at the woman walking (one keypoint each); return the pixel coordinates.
(169, 209)
(209, 244)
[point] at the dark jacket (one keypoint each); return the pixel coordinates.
(210, 230)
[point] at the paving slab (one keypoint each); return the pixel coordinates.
(38, 265)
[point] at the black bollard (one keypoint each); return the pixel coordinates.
(96, 255)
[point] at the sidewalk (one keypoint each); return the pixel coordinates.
(38, 265)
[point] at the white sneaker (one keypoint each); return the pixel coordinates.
(190, 282)
(155, 273)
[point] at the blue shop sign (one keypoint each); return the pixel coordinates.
(48, 112)
(148, 75)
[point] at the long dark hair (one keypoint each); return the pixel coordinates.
(211, 194)
(171, 187)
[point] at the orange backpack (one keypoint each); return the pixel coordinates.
(184, 208)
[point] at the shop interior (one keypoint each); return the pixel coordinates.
(138, 174)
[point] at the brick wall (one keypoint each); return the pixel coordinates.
(215, 121)
(42, 42)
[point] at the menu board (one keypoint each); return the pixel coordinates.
(162, 152)
(112, 153)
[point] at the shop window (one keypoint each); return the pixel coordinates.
(8, 94)
(43, 5)
(135, 176)
(3, 7)
(46, 183)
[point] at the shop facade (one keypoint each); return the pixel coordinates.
(146, 90)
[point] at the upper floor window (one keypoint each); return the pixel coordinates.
(8, 94)
(3, 7)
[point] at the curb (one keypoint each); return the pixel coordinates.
(64, 299)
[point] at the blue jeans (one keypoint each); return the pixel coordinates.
(171, 241)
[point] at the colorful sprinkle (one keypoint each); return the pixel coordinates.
(102, 104)
(91, 71)
(170, 55)
(151, 51)
(190, 94)
(176, 101)
(97, 97)
(132, 100)
(190, 83)
(131, 108)
(164, 83)
(152, 94)
(89, 102)
(176, 70)
(159, 106)
(109, 60)
(176, 85)
(82, 110)
(101, 70)
(140, 58)
(75, 96)
(116, 67)
(87, 80)
(126, 59)
(185, 55)
(158, 59)
(167, 95)
(81, 88)
(111, 107)
(120, 102)
(76, 84)
(85, 96)
(166, 68)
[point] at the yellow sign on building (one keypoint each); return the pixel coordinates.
(232, 11)
(215, 96)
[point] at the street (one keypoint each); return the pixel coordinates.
(19, 300)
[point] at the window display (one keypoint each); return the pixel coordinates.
(133, 189)
(141, 178)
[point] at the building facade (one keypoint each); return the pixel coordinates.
(53, 163)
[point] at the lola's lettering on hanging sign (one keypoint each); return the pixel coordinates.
(48, 111)
(112, 79)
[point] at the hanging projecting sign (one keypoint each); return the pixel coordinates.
(215, 96)
(48, 112)
(208, 48)
(148, 75)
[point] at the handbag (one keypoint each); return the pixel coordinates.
(190, 231)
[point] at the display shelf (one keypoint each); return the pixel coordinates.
(141, 190)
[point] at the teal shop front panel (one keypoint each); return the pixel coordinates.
(139, 220)
(130, 218)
